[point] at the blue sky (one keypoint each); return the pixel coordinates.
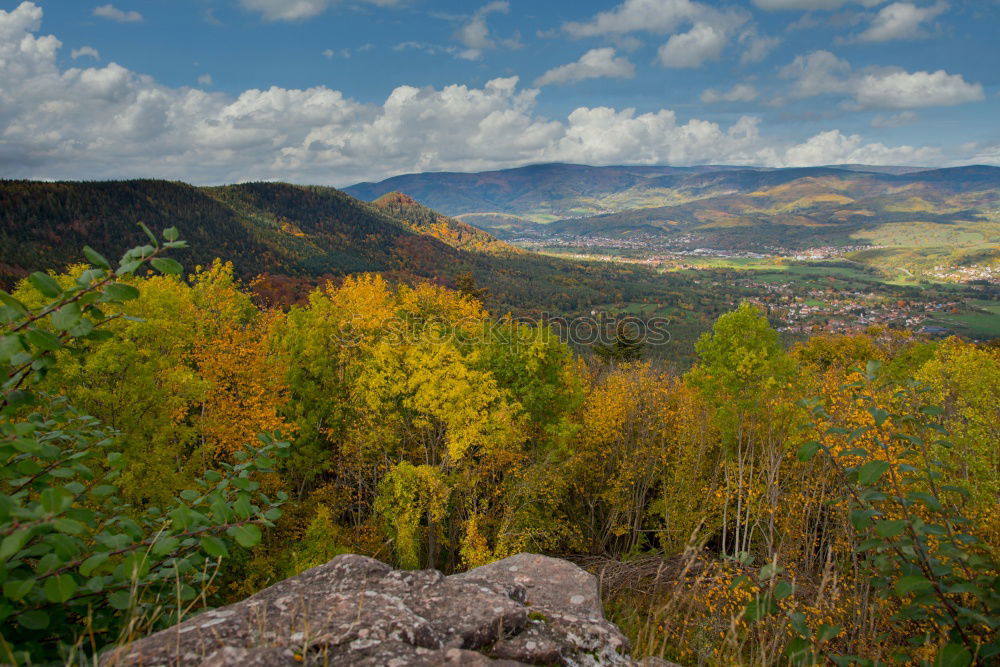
(332, 92)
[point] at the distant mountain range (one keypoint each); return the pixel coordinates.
(712, 199)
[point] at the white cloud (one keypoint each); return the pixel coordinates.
(113, 13)
(821, 73)
(810, 5)
(709, 31)
(900, 20)
(432, 49)
(297, 10)
(658, 16)
(817, 73)
(87, 51)
(693, 48)
(757, 46)
(205, 79)
(475, 33)
(287, 10)
(594, 64)
(894, 120)
(832, 147)
(343, 53)
(109, 122)
(741, 92)
(907, 90)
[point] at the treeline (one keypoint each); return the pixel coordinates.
(423, 431)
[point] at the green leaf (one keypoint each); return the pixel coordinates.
(171, 234)
(120, 600)
(88, 566)
(783, 589)
(165, 545)
(214, 547)
(128, 267)
(66, 317)
(871, 472)
(889, 528)
(42, 339)
(953, 655)
(68, 526)
(808, 450)
(827, 632)
(860, 519)
(60, 588)
(34, 620)
(760, 607)
(242, 507)
(95, 258)
(15, 590)
(103, 490)
(913, 583)
(872, 368)
(45, 284)
(149, 234)
(879, 415)
(247, 536)
(12, 303)
(10, 346)
(167, 265)
(54, 500)
(13, 543)
(120, 292)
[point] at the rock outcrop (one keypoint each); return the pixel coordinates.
(526, 609)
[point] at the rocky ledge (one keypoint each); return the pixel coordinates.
(526, 609)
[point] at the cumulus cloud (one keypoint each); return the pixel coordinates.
(900, 20)
(907, 90)
(205, 79)
(833, 147)
(693, 48)
(113, 13)
(475, 34)
(817, 73)
(708, 34)
(821, 72)
(659, 16)
(810, 5)
(110, 122)
(594, 64)
(739, 93)
(88, 51)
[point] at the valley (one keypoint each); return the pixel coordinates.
(825, 249)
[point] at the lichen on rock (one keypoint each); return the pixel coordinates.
(526, 609)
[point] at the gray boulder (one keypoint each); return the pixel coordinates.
(526, 609)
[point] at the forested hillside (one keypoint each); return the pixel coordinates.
(832, 501)
(288, 239)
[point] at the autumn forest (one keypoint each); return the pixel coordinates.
(170, 443)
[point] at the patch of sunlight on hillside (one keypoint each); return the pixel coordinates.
(913, 205)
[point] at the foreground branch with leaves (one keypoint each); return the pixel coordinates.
(80, 567)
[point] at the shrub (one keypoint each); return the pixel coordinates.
(80, 568)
